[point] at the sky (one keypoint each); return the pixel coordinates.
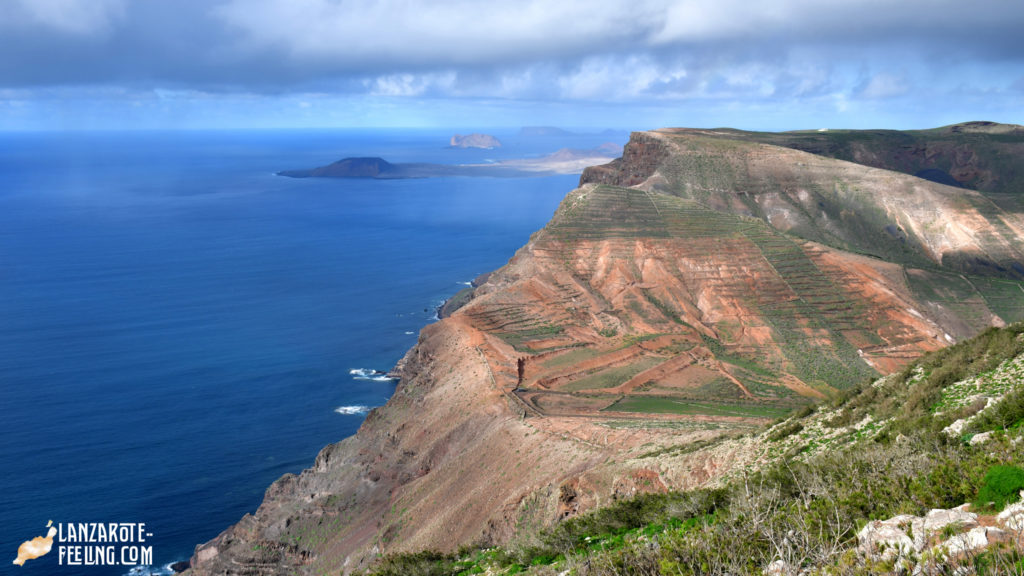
(633, 64)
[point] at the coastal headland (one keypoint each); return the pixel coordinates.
(698, 287)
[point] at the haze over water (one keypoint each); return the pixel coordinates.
(179, 327)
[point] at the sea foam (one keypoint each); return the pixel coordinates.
(370, 374)
(352, 409)
(164, 570)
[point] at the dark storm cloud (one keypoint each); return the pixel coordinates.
(371, 62)
(511, 47)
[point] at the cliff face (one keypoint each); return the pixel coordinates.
(699, 286)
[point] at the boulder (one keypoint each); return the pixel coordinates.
(1012, 517)
(975, 539)
(956, 428)
(936, 520)
(886, 539)
(980, 438)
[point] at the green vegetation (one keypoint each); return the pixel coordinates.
(570, 358)
(659, 405)
(1008, 413)
(912, 396)
(611, 377)
(722, 355)
(1001, 486)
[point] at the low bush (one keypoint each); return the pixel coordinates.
(1002, 485)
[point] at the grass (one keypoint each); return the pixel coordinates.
(662, 405)
(611, 377)
(570, 358)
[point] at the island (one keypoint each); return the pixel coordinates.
(475, 140)
(564, 161)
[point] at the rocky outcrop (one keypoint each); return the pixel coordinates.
(940, 539)
(695, 288)
(641, 157)
(474, 140)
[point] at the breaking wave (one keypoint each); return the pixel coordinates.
(352, 409)
(150, 571)
(370, 374)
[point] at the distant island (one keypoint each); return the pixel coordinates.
(543, 131)
(475, 140)
(564, 161)
(555, 132)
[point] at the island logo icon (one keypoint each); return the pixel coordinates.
(36, 547)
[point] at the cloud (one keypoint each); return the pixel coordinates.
(885, 86)
(361, 35)
(77, 17)
(735, 52)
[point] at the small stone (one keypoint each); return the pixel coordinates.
(778, 568)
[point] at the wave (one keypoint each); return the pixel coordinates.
(352, 409)
(408, 332)
(370, 374)
(465, 283)
(164, 570)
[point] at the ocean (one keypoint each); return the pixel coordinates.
(179, 327)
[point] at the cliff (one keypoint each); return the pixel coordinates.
(696, 288)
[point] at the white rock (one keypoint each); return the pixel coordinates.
(956, 428)
(975, 539)
(938, 519)
(980, 438)
(778, 568)
(1012, 517)
(886, 539)
(918, 533)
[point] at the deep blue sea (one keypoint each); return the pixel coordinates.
(179, 326)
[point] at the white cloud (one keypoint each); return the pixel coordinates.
(885, 86)
(409, 84)
(443, 33)
(77, 17)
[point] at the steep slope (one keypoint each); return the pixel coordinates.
(915, 473)
(841, 204)
(696, 288)
(982, 156)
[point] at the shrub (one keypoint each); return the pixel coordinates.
(1000, 487)
(785, 431)
(1007, 413)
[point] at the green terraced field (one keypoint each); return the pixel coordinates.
(612, 377)
(656, 405)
